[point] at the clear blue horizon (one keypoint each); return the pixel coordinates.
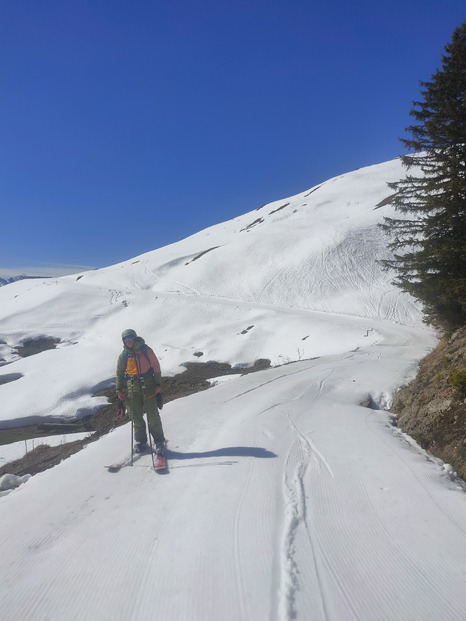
(127, 126)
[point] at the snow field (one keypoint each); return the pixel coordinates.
(285, 499)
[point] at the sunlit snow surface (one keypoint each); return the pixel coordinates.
(295, 279)
(285, 498)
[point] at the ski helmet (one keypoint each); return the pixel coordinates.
(128, 334)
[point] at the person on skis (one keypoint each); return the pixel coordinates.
(138, 381)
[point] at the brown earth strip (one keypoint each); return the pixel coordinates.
(193, 380)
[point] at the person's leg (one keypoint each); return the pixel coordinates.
(135, 411)
(155, 423)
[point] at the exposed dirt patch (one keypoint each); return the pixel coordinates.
(9, 377)
(31, 347)
(247, 330)
(194, 379)
(386, 201)
(432, 409)
(279, 208)
(255, 223)
(312, 191)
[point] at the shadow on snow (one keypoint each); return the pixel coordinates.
(231, 451)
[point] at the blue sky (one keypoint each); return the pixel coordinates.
(128, 125)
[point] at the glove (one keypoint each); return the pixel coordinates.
(121, 396)
(121, 410)
(159, 400)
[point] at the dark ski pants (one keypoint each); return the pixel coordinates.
(139, 403)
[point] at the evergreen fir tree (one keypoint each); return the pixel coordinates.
(432, 232)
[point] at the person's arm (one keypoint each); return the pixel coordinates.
(120, 378)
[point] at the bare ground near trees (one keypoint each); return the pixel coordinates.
(194, 379)
(432, 409)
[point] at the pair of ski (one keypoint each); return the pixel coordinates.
(159, 462)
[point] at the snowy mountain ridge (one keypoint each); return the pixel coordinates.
(9, 279)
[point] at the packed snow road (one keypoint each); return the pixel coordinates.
(285, 499)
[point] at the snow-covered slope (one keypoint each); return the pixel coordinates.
(285, 282)
(286, 499)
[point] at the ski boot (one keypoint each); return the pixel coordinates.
(160, 448)
(160, 463)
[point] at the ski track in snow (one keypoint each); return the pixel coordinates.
(310, 530)
(298, 531)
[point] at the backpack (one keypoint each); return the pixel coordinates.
(127, 357)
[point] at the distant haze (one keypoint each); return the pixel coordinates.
(51, 271)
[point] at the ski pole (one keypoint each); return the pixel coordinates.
(132, 433)
(143, 386)
(150, 442)
(132, 425)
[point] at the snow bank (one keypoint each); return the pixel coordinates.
(8, 482)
